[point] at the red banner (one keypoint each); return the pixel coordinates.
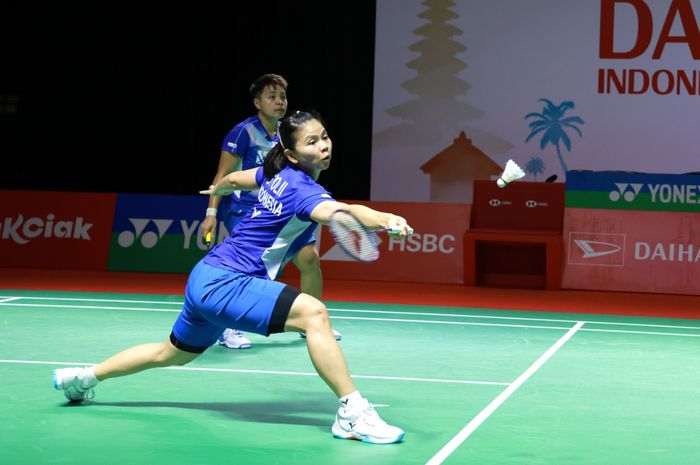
(57, 230)
(632, 251)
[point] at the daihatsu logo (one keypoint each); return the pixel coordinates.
(592, 249)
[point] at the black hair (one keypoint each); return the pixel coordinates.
(275, 161)
(265, 80)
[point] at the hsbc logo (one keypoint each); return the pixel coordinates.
(535, 204)
(499, 202)
(596, 249)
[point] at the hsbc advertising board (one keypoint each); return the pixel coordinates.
(433, 254)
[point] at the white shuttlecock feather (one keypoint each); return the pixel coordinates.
(512, 173)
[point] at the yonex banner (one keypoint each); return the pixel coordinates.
(619, 190)
(55, 230)
(634, 251)
(158, 233)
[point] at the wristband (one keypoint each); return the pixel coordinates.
(211, 211)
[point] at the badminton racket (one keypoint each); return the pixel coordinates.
(354, 237)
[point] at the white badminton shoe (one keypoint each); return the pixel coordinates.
(362, 423)
(75, 383)
(337, 335)
(234, 339)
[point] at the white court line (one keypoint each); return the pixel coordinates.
(273, 372)
(653, 333)
(442, 322)
(486, 412)
(8, 299)
(81, 299)
(384, 312)
(96, 307)
(488, 317)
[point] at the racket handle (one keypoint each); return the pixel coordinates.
(409, 230)
(207, 238)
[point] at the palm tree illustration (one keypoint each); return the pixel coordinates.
(534, 167)
(552, 125)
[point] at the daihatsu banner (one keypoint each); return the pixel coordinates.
(635, 251)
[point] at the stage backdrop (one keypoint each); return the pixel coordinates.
(556, 85)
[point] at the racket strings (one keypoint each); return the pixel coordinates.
(353, 237)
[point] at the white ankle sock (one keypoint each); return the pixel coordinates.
(89, 378)
(347, 402)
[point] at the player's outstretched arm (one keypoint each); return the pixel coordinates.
(372, 219)
(238, 180)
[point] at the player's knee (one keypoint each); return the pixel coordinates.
(307, 259)
(317, 314)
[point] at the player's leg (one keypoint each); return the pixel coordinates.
(308, 262)
(78, 383)
(309, 315)
(233, 213)
(192, 333)
(356, 417)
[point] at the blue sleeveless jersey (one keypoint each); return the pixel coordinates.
(275, 229)
(250, 141)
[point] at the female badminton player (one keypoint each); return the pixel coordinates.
(234, 286)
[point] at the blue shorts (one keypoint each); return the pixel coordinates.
(216, 299)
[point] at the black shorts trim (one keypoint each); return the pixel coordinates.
(281, 311)
(186, 347)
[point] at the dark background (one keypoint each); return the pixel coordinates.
(108, 97)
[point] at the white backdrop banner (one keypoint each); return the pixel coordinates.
(556, 85)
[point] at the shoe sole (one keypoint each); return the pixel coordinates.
(242, 346)
(337, 338)
(369, 440)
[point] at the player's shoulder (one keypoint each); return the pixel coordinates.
(251, 120)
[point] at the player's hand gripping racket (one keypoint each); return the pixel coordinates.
(354, 237)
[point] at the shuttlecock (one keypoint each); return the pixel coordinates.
(512, 173)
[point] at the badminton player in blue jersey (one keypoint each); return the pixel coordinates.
(233, 285)
(244, 147)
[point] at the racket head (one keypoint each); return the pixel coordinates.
(353, 237)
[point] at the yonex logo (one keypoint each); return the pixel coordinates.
(149, 238)
(623, 191)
